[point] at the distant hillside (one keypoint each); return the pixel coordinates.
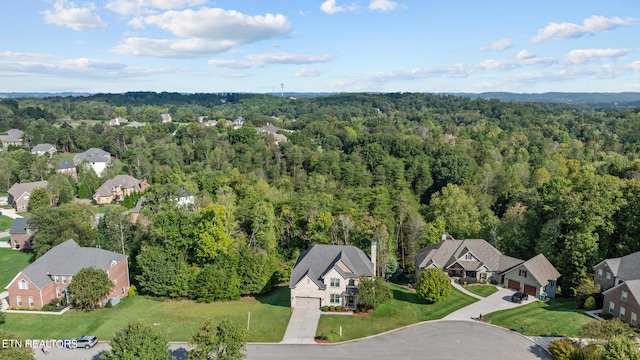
(591, 99)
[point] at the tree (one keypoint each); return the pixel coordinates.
(39, 199)
(373, 292)
(7, 351)
(88, 287)
(458, 209)
(433, 285)
(606, 329)
(621, 348)
(138, 341)
(55, 225)
(115, 229)
(226, 341)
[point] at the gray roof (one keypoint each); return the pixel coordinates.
(269, 128)
(135, 124)
(124, 181)
(13, 135)
(43, 148)
(67, 259)
(66, 164)
(18, 189)
(19, 226)
(626, 267)
(447, 252)
(319, 259)
(541, 269)
(632, 285)
(92, 155)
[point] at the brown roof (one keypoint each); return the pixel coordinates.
(124, 181)
(541, 269)
(447, 252)
(18, 189)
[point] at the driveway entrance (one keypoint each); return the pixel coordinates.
(302, 326)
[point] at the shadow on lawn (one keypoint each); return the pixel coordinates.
(407, 296)
(279, 296)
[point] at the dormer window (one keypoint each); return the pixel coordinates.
(468, 256)
(113, 263)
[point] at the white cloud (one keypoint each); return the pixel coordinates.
(203, 32)
(75, 68)
(525, 54)
(310, 72)
(260, 60)
(581, 56)
(501, 44)
(593, 25)
(129, 7)
(330, 7)
(383, 5)
(77, 18)
(13, 54)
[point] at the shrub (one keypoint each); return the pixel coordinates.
(108, 305)
(606, 315)
(373, 292)
(3, 318)
(590, 303)
(325, 308)
(132, 290)
(47, 307)
(332, 308)
(433, 285)
(321, 337)
(562, 349)
(468, 281)
(338, 308)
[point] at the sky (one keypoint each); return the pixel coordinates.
(271, 46)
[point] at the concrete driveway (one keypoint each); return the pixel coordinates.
(302, 326)
(500, 300)
(10, 213)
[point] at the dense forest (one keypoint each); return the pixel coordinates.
(393, 168)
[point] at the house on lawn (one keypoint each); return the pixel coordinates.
(118, 188)
(477, 259)
(166, 118)
(12, 137)
(619, 279)
(68, 168)
(118, 121)
(19, 194)
(329, 274)
(42, 149)
(20, 234)
(98, 159)
(47, 278)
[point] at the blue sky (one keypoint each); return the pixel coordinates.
(320, 46)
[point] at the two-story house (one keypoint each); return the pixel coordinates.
(97, 159)
(329, 275)
(20, 234)
(619, 280)
(19, 194)
(118, 188)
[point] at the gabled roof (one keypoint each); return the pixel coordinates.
(18, 189)
(135, 124)
(67, 259)
(447, 252)
(66, 164)
(315, 262)
(42, 148)
(632, 285)
(626, 267)
(92, 155)
(541, 269)
(13, 135)
(19, 226)
(269, 128)
(124, 181)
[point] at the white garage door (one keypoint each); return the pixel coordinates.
(307, 302)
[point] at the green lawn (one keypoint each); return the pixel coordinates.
(481, 290)
(104, 208)
(12, 262)
(178, 319)
(24, 214)
(557, 317)
(406, 308)
(5, 222)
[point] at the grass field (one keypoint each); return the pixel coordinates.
(12, 262)
(5, 222)
(481, 290)
(557, 317)
(178, 319)
(406, 308)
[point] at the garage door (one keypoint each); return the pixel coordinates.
(512, 284)
(308, 303)
(531, 290)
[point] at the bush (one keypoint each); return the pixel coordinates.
(433, 285)
(606, 315)
(332, 308)
(108, 305)
(468, 281)
(563, 349)
(132, 290)
(47, 307)
(590, 303)
(3, 318)
(338, 308)
(325, 308)
(321, 337)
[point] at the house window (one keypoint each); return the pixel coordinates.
(623, 297)
(334, 298)
(634, 319)
(622, 311)
(352, 282)
(58, 293)
(612, 307)
(335, 282)
(64, 279)
(599, 274)
(19, 300)
(122, 291)
(56, 279)
(522, 273)
(468, 257)
(31, 304)
(23, 285)
(608, 278)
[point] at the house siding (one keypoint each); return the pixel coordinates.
(15, 291)
(307, 288)
(614, 296)
(22, 240)
(514, 274)
(119, 275)
(602, 283)
(333, 274)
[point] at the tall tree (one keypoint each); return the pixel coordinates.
(225, 341)
(138, 341)
(39, 199)
(88, 287)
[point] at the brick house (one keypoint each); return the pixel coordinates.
(19, 194)
(20, 234)
(118, 188)
(619, 281)
(67, 167)
(47, 278)
(329, 275)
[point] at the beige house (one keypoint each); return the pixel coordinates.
(118, 188)
(329, 274)
(19, 194)
(12, 137)
(536, 277)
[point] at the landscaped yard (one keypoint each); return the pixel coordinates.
(5, 222)
(12, 262)
(406, 308)
(481, 290)
(178, 319)
(557, 317)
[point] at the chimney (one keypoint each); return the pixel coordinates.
(444, 235)
(374, 249)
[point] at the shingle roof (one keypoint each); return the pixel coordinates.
(66, 164)
(19, 226)
(18, 189)
(42, 148)
(92, 155)
(634, 288)
(445, 253)
(13, 135)
(135, 124)
(626, 267)
(541, 269)
(316, 261)
(124, 181)
(67, 259)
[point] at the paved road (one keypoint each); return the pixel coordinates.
(431, 340)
